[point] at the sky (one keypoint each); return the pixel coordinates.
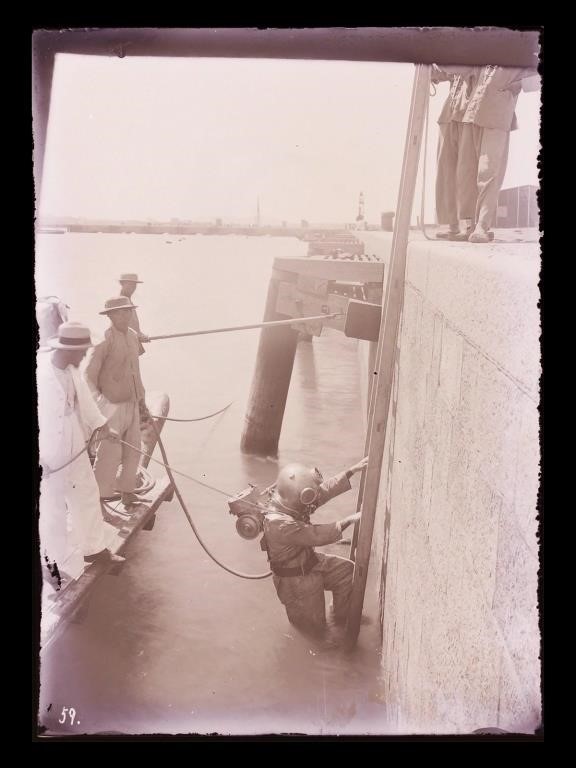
(199, 139)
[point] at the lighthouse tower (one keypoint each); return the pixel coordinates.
(360, 223)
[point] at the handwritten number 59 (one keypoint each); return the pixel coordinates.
(71, 714)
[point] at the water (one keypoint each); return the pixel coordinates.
(174, 644)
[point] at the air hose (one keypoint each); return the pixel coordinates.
(169, 471)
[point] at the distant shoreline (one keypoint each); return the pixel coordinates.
(303, 233)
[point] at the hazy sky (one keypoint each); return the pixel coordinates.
(139, 138)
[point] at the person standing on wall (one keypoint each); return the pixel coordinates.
(487, 122)
(455, 181)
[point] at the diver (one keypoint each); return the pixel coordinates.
(300, 574)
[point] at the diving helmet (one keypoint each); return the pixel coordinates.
(297, 486)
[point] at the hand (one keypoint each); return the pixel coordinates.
(530, 84)
(144, 412)
(143, 338)
(435, 74)
(112, 435)
(343, 524)
(360, 466)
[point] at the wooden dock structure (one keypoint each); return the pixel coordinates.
(300, 287)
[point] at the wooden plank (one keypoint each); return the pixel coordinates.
(386, 350)
(331, 269)
(59, 610)
(444, 45)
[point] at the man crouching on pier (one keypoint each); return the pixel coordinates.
(300, 574)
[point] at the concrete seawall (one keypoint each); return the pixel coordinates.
(456, 531)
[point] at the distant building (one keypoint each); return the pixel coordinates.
(517, 208)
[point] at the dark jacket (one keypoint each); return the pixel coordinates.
(289, 541)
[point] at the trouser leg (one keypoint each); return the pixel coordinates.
(446, 203)
(93, 533)
(337, 573)
(308, 612)
(492, 161)
(303, 599)
(109, 455)
(467, 173)
(126, 481)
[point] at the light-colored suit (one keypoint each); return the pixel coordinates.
(71, 522)
(113, 373)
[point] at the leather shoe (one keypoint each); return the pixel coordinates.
(448, 235)
(130, 499)
(479, 236)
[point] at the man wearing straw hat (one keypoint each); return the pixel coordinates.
(129, 281)
(113, 373)
(72, 529)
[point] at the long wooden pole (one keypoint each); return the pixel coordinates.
(386, 351)
(267, 324)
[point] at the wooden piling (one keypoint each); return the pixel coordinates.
(270, 382)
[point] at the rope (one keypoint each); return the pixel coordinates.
(176, 471)
(170, 472)
(87, 447)
(149, 483)
(201, 418)
(50, 471)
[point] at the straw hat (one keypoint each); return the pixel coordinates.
(71, 336)
(118, 302)
(129, 277)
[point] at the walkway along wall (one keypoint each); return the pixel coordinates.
(456, 533)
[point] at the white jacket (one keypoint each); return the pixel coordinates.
(71, 522)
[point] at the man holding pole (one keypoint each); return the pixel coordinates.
(113, 374)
